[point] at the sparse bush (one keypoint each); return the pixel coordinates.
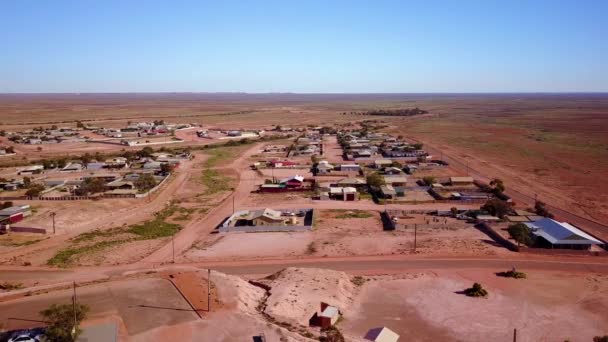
(331, 334)
(476, 291)
(7, 286)
(428, 180)
(358, 280)
(512, 274)
(600, 338)
(61, 321)
(311, 248)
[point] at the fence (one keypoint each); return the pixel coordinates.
(13, 229)
(496, 236)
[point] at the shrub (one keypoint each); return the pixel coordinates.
(428, 180)
(358, 280)
(331, 334)
(512, 274)
(497, 207)
(61, 321)
(476, 291)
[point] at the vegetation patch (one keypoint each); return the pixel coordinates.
(358, 280)
(512, 274)
(215, 182)
(476, 291)
(8, 286)
(155, 228)
(354, 214)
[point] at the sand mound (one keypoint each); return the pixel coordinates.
(296, 293)
(237, 293)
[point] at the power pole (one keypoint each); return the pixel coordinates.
(208, 290)
(233, 195)
(75, 328)
(415, 233)
(173, 246)
(53, 216)
(514, 335)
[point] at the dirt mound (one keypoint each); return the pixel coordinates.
(296, 293)
(234, 292)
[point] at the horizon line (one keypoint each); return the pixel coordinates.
(306, 93)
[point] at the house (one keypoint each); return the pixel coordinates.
(357, 183)
(324, 167)
(383, 334)
(152, 165)
(388, 191)
(31, 170)
(117, 163)
(380, 163)
(461, 181)
(343, 193)
(266, 217)
(350, 168)
(393, 171)
(327, 317)
(293, 182)
(15, 213)
(282, 163)
(121, 184)
(72, 167)
(396, 180)
(33, 141)
(554, 234)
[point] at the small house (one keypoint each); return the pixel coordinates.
(461, 181)
(72, 167)
(350, 168)
(380, 163)
(293, 182)
(343, 193)
(15, 213)
(327, 317)
(382, 334)
(267, 217)
(392, 171)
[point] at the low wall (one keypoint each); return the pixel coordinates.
(564, 252)
(259, 229)
(14, 229)
(496, 236)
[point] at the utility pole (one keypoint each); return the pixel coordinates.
(173, 246)
(233, 195)
(415, 235)
(53, 216)
(75, 328)
(208, 290)
(514, 335)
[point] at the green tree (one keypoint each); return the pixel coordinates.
(428, 180)
(166, 168)
(145, 152)
(91, 186)
(145, 182)
(520, 233)
(79, 124)
(497, 207)
(454, 211)
(61, 319)
(497, 185)
(314, 159)
(541, 209)
(27, 182)
(418, 146)
(34, 190)
(375, 180)
(86, 159)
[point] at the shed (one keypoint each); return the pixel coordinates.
(561, 234)
(461, 180)
(382, 334)
(327, 317)
(380, 163)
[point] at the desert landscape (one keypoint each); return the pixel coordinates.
(294, 204)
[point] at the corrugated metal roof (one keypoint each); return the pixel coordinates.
(561, 233)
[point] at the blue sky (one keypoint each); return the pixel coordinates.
(303, 46)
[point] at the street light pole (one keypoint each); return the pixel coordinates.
(75, 328)
(208, 290)
(173, 246)
(53, 216)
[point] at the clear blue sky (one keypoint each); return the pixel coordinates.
(303, 46)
